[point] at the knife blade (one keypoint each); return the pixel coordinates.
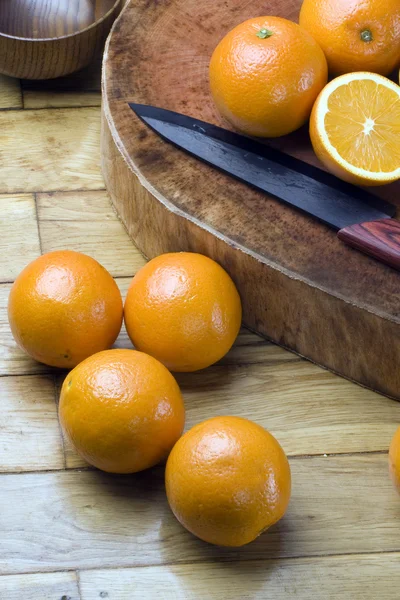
(361, 219)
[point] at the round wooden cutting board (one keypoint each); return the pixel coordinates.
(300, 286)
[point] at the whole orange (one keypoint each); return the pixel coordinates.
(356, 35)
(183, 309)
(227, 481)
(63, 307)
(265, 76)
(394, 459)
(122, 410)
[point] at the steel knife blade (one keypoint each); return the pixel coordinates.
(361, 219)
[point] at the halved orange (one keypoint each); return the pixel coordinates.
(355, 128)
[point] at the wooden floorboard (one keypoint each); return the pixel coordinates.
(50, 150)
(88, 519)
(75, 90)
(85, 222)
(30, 436)
(332, 578)
(40, 586)
(19, 236)
(10, 93)
(70, 532)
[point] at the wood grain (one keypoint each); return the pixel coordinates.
(301, 287)
(43, 39)
(321, 414)
(30, 434)
(82, 519)
(76, 90)
(380, 239)
(10, 92)
(86, 222)
(50, 150)
(333, 578)
(126, 521)
(19, 236)
(40, 586)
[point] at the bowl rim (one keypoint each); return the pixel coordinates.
(68, 35)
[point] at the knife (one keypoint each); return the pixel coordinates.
(362, 220)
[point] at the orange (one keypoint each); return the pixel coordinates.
(356, 35)
(122, 410)
(183, 309)
(355, 128)
(227, 481)
(394, 459)
(63, 307)
(265, 76)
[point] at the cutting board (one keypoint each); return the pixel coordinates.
(300, 286)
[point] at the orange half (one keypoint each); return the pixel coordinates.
(355, 128)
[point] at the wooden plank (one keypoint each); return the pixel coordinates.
(49, 520)
(249, 347)
(50, 150)
(13, 360)
(56, 99)
(78, 89)
(30, 434)
(40, 586)
(86, 222)
(336, 578)
(19, 235)
(10, 92)
(309, 410)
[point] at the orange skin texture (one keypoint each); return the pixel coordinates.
(228, 480)
(267, 87)
(394, 459)
(122, 410)
(337, 26)
(183, 309)
(63, 307)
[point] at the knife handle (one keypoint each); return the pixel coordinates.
(380, 239)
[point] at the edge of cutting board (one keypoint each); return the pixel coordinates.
(350, 333)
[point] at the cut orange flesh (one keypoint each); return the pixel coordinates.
(355, 128)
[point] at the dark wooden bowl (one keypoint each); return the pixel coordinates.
(43, 39)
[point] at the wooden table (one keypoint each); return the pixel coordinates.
(71, 532)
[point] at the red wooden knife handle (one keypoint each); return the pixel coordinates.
(380, 239)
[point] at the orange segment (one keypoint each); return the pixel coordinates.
(355, 128)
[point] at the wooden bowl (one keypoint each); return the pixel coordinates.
(43, 39)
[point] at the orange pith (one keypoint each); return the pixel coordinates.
(359, 138)
(355, 128)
